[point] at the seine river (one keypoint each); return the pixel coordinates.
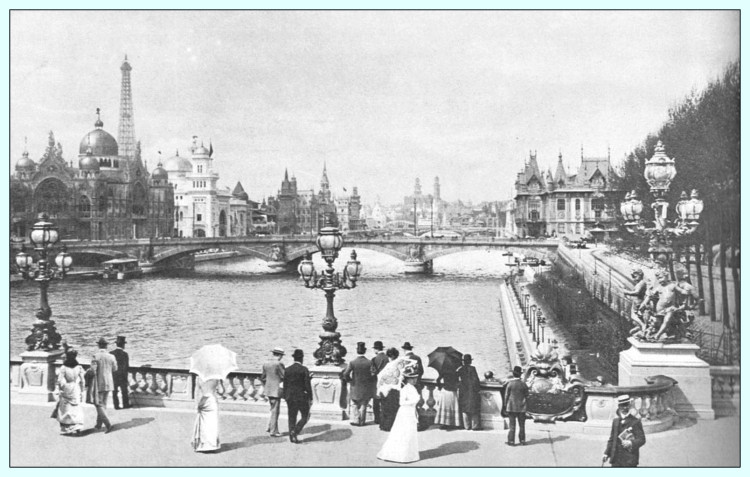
(238, 303)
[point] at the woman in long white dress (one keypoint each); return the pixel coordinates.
(206, 429)
(69, 412)
(402, 445)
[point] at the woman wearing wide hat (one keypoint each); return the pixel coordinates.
(402, 444)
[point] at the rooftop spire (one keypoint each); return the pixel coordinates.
(126, 131)
(98, 123)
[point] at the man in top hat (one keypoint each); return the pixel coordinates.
(516, 393)
(469, 400)
(273, 379)
(378, 363)
(298, 395)
(626, 437)
(104, 365)
(358, 374)
(409, 354)
(120, 375)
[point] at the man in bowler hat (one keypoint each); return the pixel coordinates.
(409, 354)
(273, 378)
(358, 374)
(298, 395)
(120, 375)
(516, 393)
(626, 436)
(378, 363)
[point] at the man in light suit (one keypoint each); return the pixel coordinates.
(298, 395)
(105, 366)
(120, 377)
(378, 363)
(516, 393)
(272, 378)
(358, 374)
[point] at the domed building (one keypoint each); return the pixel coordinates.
(201, 207)
(109, 195)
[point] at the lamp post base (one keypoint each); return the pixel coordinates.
(39, 374)
(330, 395)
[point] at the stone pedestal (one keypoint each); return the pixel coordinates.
(692, 394)
(329, 393)
(38, 375)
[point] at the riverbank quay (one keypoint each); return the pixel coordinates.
(160, 437)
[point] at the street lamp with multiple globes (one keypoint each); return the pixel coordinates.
(659, 172)
(43, 236)
(329, 242)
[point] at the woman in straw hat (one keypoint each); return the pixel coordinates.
(402, 445)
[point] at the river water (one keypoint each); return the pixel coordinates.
(238, 303)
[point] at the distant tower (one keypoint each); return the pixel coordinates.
(436, 192)
(126, 135)
(325, 187)
(417, 188)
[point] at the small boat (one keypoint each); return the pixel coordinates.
(122, 268)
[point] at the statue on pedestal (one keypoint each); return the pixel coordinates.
(667, 309)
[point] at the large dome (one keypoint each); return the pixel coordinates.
(159, 173)
(178, 164)
(99, 141)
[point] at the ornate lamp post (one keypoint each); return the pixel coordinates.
(532, 323)
(659, 172)
(329, 242)
(542, 324)
(43, 236)
(526, 308)
(43, 344)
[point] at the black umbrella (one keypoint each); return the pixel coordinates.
(445, 359)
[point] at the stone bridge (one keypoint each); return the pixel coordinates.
(282, 251)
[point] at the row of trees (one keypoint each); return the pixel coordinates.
(702, 134)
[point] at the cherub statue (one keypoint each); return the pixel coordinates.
(638, 293)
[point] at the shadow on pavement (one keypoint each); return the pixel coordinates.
(448, 448)
(330, 436)
(135, 422)
(547, 440)
(315, 429)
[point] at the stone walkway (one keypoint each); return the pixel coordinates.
(153, 437)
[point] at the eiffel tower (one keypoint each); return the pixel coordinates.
(126, 134)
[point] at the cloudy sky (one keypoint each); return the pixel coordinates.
(381, 97)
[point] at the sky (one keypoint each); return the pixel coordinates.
(379, 97)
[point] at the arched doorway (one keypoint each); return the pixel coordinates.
(222, 224)
(199, 233)
(51, 196)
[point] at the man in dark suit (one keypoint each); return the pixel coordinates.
(516, 393)
(409, 354)
(272, 378)
(298, 395)
(358, 374)
(378, 363)
(120, 376)
(626, 437)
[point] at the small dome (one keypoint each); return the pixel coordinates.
(159, 173)
(200, 151)
(25, 164)
(99, 141)
(88, 163)
(178, 164)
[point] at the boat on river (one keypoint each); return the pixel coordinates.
(122, 269)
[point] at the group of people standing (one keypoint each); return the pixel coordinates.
(108, 373)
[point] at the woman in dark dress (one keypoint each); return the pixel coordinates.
(389, 383)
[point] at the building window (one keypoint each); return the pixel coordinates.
(560, 204)
(200, 169)
(578, 205)
(561, 228)
(198, 217)
(578, 228)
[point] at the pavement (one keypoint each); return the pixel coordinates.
(160, 437)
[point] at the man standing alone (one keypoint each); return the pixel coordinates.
(120, 375)
(298, 395)
(272, 378)
(626, 436)
(358, 374)
(378, 363)
(103, 365)
(516, 393)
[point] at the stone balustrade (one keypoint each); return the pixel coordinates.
(725, 390)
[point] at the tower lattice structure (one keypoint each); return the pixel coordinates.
(126, 134)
